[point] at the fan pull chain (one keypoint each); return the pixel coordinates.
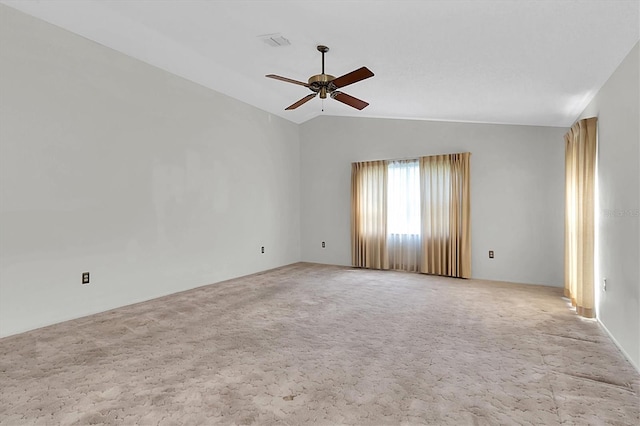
(322, 105)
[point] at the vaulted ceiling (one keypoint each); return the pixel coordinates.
(516, 62)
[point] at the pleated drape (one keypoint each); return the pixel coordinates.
(369, 215)
(446, 215)
(580, 163)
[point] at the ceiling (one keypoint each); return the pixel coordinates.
(514, 62)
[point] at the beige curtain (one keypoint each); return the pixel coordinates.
(369, 215)
(580, 162)
(446, 215)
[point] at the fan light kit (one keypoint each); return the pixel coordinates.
(324, 84)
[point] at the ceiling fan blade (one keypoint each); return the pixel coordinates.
(301, 101)
(288, 80)
(349, 100)
(352, 77)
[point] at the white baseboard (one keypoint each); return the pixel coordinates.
(626, 355)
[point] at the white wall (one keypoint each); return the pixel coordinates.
(517, 188)
(150, 182)
(617, 106)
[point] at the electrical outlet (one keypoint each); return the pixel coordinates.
(490, 254)
(323, 246)
(262, 249)
(85, 278)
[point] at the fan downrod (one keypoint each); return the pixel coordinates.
(322, 49)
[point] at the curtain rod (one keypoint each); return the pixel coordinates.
(412, 158)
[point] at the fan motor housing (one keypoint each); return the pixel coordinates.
(321, 83)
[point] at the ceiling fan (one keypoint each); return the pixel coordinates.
(325, 83)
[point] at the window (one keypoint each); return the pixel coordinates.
(403, 197)
(412, 215)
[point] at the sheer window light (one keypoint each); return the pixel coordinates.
(403, 198)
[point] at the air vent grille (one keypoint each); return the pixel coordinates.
(275, 40)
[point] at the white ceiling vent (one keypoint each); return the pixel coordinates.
(275, 40)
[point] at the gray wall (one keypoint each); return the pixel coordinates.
(148, 181)
(517, 188)
(617, 106)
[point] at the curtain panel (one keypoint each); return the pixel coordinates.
(412, 215)
(369, 215)
(580, 175)
(446, 215)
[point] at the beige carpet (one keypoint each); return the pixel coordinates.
(309, 344)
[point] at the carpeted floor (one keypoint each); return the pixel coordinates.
(314, 344)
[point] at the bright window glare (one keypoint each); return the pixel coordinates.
(403, 195)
